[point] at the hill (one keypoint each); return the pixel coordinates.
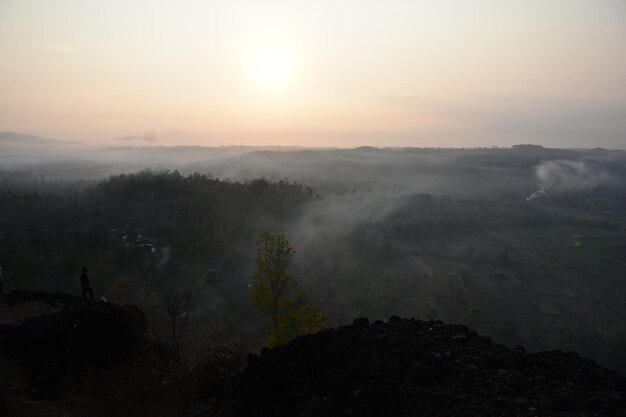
(93, 359)
(22, 139)
(418, 368)
(57, 339)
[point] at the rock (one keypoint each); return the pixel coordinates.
(252, 357)
(596, 403)
(410, 368)
(66, 337)
(361, 322)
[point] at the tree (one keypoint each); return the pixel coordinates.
(178, 305)
(279, 295)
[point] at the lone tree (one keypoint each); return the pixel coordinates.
(279, 295)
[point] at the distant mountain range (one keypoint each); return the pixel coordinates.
(22, 139)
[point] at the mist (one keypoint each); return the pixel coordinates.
(447, 234)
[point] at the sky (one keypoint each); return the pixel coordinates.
(342, 73)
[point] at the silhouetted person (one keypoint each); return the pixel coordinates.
(84, 282)
(1, 282)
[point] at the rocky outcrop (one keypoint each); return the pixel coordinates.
(58, 339)
(417, 368)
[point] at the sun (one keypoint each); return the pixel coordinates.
(272, 67)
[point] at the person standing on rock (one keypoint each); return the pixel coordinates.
(1, 281)
(84, 283)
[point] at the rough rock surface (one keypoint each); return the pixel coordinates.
(417, 368)
(55, 339)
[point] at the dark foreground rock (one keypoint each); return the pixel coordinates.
(417, 368)
(57, 339)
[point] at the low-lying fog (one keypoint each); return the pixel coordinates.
(521, 243)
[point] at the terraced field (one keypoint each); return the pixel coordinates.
(561, 288)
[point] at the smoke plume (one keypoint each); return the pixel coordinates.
(560, 176)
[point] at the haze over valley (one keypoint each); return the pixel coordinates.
(524, 244)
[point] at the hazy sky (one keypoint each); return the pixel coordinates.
(316, 73)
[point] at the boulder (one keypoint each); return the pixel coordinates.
(57, 339)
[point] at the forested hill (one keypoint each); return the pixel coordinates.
(144, 226)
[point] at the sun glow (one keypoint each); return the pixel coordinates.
(272, 67)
